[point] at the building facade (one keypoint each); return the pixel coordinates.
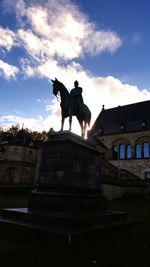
(20, 160)
(125, 133)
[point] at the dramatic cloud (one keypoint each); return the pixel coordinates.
(67, 33)
(52, 31)
(7, 39)
(8, 71)
(58, 28)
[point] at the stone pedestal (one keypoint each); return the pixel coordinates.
(68, 198)
(69, 179)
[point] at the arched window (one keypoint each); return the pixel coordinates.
(115, 152)
(147, 175)
(129, 152)
(2, 153)
(146, 150)
(138, 151)
(121, 151)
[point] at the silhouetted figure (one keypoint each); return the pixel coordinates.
(76, 94)
(72, 105)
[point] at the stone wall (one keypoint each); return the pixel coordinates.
(136, 166)
(111, 191)
(116, 185)
(19, 164)
(16, 173)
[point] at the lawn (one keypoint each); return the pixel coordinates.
(122, 247)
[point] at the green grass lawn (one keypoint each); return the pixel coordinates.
(122, 247)
(11, 201)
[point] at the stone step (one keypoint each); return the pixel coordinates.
(73, 220)
(20, 227)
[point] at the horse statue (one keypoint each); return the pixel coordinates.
(69, 108)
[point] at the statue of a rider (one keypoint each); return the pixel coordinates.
(76, 95)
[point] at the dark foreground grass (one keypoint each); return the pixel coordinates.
(122, 247)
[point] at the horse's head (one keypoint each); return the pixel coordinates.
(59, 87)
(56, 86)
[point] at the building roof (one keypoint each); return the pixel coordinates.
(128, 118)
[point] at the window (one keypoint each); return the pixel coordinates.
(138, 151)
(115, 152)
(147, 175)
(146, 150)
(122, 127)
(143, 124)
(129, 152)
(121, 151)
(101, 130)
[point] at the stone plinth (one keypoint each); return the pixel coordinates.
(67, 199)
(69, 178)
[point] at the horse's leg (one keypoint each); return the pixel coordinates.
(70, 120)
(62, 122)
(84, 129)
(81, 124)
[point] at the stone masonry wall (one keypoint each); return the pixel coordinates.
(111, 191)
(136, 166)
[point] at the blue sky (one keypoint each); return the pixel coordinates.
(102, 43)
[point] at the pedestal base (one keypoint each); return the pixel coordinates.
(21, 221)
(68, 199)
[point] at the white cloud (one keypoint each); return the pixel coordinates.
(54, 31)
(69, 32)
(31, 123)
(8, 71)
(59, 28)
(38, 123)
(7, 39)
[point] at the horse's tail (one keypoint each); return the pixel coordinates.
(89, 118)
(87, 115)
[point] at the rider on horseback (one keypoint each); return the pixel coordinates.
(72, 105)
(76, 94)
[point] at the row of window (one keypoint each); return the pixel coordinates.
(122, 151)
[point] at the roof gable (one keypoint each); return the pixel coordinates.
(132, 118)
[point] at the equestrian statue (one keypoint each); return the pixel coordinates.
(72, 104)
